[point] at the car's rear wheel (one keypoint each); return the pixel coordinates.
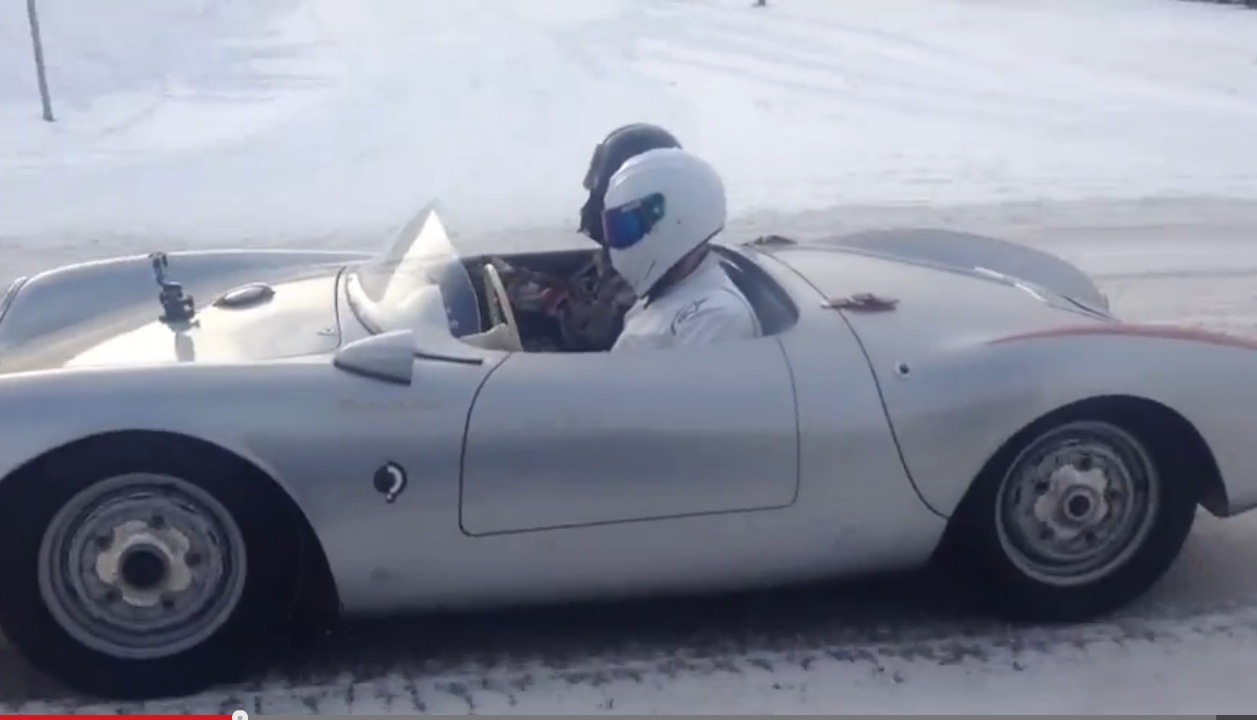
(1077, 516)
(143, 569)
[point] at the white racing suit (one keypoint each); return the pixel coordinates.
(704, 308)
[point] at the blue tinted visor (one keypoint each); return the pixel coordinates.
(624, 226)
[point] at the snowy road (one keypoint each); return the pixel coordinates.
(891, 646)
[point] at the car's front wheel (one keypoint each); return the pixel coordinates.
(1076, 517)
(143, 568)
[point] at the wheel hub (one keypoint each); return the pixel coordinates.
(1073, 503)
(1077, 502)
(142, 565)
(142, 569)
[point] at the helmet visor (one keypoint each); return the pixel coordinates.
(625, 225)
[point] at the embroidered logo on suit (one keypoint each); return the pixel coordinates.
(687, 313)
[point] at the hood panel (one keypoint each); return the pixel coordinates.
(300, 319)
(939, 311)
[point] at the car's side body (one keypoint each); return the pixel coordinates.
(837, 446)
(691, 470)
(964, 364)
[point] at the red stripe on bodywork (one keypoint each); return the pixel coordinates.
(1163, 332)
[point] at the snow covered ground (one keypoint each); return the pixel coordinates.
(1118, 133)
(270, 120)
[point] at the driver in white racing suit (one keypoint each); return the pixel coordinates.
(660, 211)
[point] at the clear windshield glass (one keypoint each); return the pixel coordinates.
(417, 283)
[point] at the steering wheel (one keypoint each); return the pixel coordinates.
(500, 310)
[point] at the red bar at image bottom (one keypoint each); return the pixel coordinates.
(226, 716)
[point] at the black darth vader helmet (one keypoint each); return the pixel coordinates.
(610, 154)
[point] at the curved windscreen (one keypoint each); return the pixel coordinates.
(418, 283)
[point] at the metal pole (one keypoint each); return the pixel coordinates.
(40, 72)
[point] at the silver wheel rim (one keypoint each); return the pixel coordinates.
(1077, 503)
(142, 566)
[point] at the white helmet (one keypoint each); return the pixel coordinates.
(659, 207)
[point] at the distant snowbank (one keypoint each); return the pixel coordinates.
(286, 119)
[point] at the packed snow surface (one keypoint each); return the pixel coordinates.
(1117, 133)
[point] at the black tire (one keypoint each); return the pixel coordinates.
(30, 501)
(987, 560)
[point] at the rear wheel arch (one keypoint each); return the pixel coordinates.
(1175, 448)
(1154, 419)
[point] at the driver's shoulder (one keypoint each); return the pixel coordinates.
(710, 304)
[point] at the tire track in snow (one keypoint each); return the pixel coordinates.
(758, 648)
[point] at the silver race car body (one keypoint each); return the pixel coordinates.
(430, 469)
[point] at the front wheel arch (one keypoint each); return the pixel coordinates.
(316, 601)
